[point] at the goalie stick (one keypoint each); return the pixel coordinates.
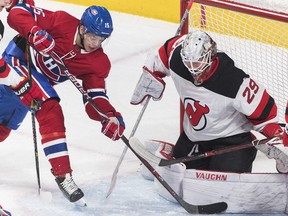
(114, 176)
(192, 209)
(147, 155)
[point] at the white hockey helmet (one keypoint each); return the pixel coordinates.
(198, 51)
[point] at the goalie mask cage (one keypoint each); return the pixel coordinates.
(255, 38)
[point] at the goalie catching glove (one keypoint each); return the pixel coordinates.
(150, 84)
(114, 126)
(270, 149)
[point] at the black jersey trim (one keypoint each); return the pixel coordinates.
(225, 81)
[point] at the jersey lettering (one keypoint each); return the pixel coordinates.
(250, 91)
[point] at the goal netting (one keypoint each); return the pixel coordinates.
(255, 38)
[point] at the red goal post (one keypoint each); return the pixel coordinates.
(255, 38)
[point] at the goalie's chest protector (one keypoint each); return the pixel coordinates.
(209, 108)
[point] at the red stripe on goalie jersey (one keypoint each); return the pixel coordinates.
(165, 50)
(265, 111)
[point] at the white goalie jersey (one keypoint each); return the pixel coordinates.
(229, 97)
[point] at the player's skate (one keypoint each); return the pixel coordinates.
(70, 190)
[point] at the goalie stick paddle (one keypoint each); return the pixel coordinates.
(114, 176)
(147, 155)
(193, 209)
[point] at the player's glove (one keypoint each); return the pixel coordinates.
(27, 90)
(150, 84)
(272, 130)
(272, 151)
(114, 126)
(41, 40)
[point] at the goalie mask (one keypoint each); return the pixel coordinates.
(198, 52)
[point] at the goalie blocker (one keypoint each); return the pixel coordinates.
(150, 84)
(244, 193)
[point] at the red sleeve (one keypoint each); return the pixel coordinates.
(94, 83)
(265, 111)
(165, 50)
(21, 20)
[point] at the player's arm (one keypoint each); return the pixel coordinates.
(114, 126)
(259, 107)
(22, 18)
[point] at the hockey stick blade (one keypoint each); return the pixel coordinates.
(212, 208)
(204, 209)
(147, 155)
(140, 149)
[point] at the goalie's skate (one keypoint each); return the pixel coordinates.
(68, 187)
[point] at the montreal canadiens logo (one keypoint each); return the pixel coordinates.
(196, 113)
(94, 12)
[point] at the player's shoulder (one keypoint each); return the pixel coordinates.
(227, 78)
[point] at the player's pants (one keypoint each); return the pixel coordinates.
(236, 161)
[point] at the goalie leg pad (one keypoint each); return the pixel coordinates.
(244, 192)
(161, 149)
(173, 175)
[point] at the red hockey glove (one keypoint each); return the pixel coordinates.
(114, 127)
(27, 91)
(272, 130)
(41, 40)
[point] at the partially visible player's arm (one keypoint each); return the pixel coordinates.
(114, 126)
(23, 18)
(8, 76)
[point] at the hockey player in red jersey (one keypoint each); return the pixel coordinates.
(78, 43)
(222, 103)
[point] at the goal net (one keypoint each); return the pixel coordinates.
(255, 38)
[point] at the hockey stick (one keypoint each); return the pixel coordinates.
(114, 176)
(45, 196)
(147, 155)
(193, 209)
